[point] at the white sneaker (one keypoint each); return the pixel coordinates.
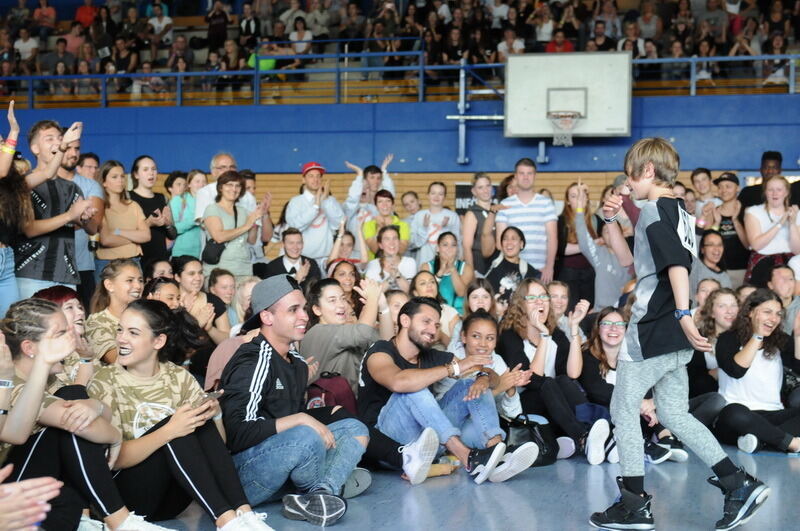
(254, 520)
(87, 524)
(612, 452)
(566, 447)
(596, 442)
(134, 522)
(747, 443)
(512, 463)
(418, 456)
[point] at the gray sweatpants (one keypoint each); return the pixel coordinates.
(666, 375)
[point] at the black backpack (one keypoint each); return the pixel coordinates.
(521, 430)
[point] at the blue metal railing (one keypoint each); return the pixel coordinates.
(176, 82)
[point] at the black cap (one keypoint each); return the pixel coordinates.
(727, 176)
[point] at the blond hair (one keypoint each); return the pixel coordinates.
(660, 153)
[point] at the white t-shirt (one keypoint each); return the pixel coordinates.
(759, 389)
(25, 48)
(407, 268)
(780, 242)
(518, 46)
(531, 219)
(159, 25)
(550, 360)
(499, 14)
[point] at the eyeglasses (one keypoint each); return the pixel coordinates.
(537, 297)
(618, 324)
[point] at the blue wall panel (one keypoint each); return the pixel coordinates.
(720, 132)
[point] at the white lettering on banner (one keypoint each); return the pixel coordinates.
(686, 233)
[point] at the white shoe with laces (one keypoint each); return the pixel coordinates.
(134, 522)
(516, 459)
(418, 456)
(254, 520)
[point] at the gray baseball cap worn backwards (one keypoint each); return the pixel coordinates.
(265, 294)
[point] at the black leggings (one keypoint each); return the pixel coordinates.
(775, 428)
(195, 467)
(79, 463)
(381, 452)
(556, 399)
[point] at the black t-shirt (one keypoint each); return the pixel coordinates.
(372, 396)
(506, 277)
(736, 254)
(156, 248)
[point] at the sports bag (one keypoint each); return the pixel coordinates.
(331, 389)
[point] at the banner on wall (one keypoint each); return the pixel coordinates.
(464, 198)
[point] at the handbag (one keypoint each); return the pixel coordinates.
(791, 381)
(523, 429)
(212, 253)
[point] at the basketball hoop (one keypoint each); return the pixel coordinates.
(564, 123)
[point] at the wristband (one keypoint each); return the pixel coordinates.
(612, 219)
(580, 210)
(217, 416)
(86, 361)
(102, 408)
(715, 227)
(543, 335)
(6, 149)
(758, 337)
(450, 372)
(6, 384)
(11, 142)
(3, 412)
(456, 368)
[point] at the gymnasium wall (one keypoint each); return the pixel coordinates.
(719, 132)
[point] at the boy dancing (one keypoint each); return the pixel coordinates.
(658, 345)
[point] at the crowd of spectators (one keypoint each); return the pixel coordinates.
(127, 303)
(118, 36)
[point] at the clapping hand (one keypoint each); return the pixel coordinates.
(578, 313)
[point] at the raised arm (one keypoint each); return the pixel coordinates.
(7, 151)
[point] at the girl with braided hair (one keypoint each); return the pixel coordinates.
(54, 429)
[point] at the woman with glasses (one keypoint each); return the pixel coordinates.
(711, 263)
(751, 357)
(530, 339)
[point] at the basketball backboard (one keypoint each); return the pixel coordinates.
(597, 85)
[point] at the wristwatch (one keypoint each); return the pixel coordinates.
(680, 314)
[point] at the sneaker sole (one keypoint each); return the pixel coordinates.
(566, 447)
(517, 462)
(679, 455)
(596, 442)
(747, 443)
(488, 468)
(428, 448)
(359, 481)
(322, 510)
(751, 506)
(660, 460)
(645, 527)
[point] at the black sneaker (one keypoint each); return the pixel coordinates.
(654, 453)
(318, 507)
(744, 494)
(630, 511)
(671, 443)
(482, 462)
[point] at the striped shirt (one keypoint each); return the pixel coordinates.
(530, 219)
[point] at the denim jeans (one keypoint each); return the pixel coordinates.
(405, 415)
(9, 293)
(299, 454)
(29, 286)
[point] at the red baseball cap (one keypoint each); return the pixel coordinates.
(308, 166)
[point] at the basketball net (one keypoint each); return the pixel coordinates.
(564, 123)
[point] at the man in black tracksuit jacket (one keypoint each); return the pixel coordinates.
(270, 436)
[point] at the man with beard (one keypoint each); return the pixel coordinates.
(394, 395)
(92, 191)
